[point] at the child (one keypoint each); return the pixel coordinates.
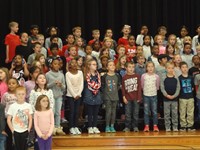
(121, 50)
(11, 41)
(159, 40)
(20, 119)
(140, 66)
(170, 88)
(177, 60)
(56, 82)
(70, 42)
(154, 56)
(150, 84)
(161, 70)
(72, 53)
(34, 32)
(196, 68)
(107, 43)
(37, 50)
(104, 61)
(131, 48)
(41, 58)
(126, 30)
(197, 89)
(96, 49)
(173, 41)
(132, 96)
(195, 39)
(109, 34)
(147, 46)
(170, 51)
(183, 32)
(110, 85)
(79, 43)
(187, 54)
(88, 50)
(23, 49)
(74, 80)
(186, 99)
(43, 122)
(120, 67)
(140, 37)
(80, 62)
(3, 134)
(54, 40)
(162, 31)
(19, 69)
(4, 76)
(7, 100)
(92, 97)
(95, 35)
(40, 39)
(30, 84)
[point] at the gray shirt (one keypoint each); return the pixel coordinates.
(197, 82)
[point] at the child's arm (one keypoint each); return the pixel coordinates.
(7, 54)
(32, 99)
(26, 72)
(81, 84)
(37, 129)
(51, 124)
(196, 88)
(30, 122)
(142, 81)
(162, 87)
(177, 89)
(123, 92)
(50, 83)
(157, 82)
(139, 90)
(69, 86)
(2, 119)
(9, 118)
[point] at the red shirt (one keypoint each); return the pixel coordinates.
(12, 40)
(65, 50)
(59, 52)
(123, 41)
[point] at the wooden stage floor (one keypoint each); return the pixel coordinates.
(130, 140)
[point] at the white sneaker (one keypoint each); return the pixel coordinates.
(77, 130)
(90, 130)
(96, 130)
(72, 131)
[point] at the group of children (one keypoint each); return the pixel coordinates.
(162, 74)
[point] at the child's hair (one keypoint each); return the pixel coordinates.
(119, 46)
(38, 105)
(12, 24)
(87, 66)
(50, 28)
(102, 50)
(36, 43)
(53, 45)
(70, 62)
(162, 28)
(39, 35)
(168, 45)
(95, 31)
(183, 63)
(187, 38)
(185, 44)
(129, 63)
(32, 70)
(109, 61)
(34, 26)
(194, 57)
(37, 86)
(20, 35)
(140, 55)
(198, 47)
(126, 26)
(70, 47)
(131, 36)
(76, 28)
(148, 63)
(6, 72)
(34, 63)
(118, 66)
(53, 37)
(20, 88)
(38, 56)
(63, 59)
(168, 64)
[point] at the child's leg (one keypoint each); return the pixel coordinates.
(128, 113)
(21, 140)
(113, 112)
(41, 143)
(174, 109)
(146, 109)
(153, 103)
(190, 112)
(95, 115)
(76, 112)
(9, 140)
(48, 143)
(167, 110)
(182, 112)
(2, 141)
(108, 112)
(71, 106)
(135, 110)
(58, 104)
(90, 114)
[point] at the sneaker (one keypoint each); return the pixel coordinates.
(175, 130)
(59, 131)
(146, 128)
(54, 131)
(72, 131)
(112, 129)
(191, 129)
(126, 129)
(63, 120)
(77, 130)
(182, 129)
(90, 130)
(96, 130)
(168, 130)
(155, 128)
(107, 130)
(135, 129)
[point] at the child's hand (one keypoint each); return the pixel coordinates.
(125, 100)
(59, 84)
(25, 64)
(13, 65)
(4, 133)
(77, 97)
(6, 60)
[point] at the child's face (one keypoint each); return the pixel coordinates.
(109, 33)
(93, 66)
(150, 68)
(54, 40)
(139, 49)
(37, 49)
(73, 65)
(123, 60)
(44, 102)
(20, 94)
(34, 31)
(121, 51)
(18, 60)
(35, 73)
(72, 51)
(147, 40)
(55, 65)
(104, 61)
(53, 31)
(130, 68)
(38, 64)
(42, 60)
(141, 60)
(155, 50)
(41, 80)
(196, 60)
(170, 69)
(41, 40)
(198, 30)
(79, 42)
(70, 39)
(188, 40)
(131, 41)
(170, 50)
(2, 75)
(96, 35)
(177, 59)
(111, 66)
(172, 40)
(198, 51)
(159, 40)
(77, 33)
(12, 85)
(184, 69)
(88, 50)
(61, 64)
(126, 30)
(163, 61)
(108, 43)
(106, 52)
(80, 61)
(54, 51)
(145, 30)
(187, 49)
(15, 28)
(97, 46)
(24, 38)
(184, 32)
(163, 32)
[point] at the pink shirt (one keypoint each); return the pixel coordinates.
(162, 50)
(44, 122)
(3, 88)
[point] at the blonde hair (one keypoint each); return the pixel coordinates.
(6, 72)
(118, 66)
(39, 35)
(95, 31)
(148, 63)
(12, 24)
(87, 66)
(76, 28)
(169, 63)
(20, 88)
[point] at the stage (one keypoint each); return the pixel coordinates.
(121, 140)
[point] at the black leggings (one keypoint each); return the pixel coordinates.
(21, 140)
(92, 111)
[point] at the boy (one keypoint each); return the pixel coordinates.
(95, 35)
(131, 92)
(197, 89)
(37, 50)
(11, 41)
(70, 41)
(20, 119)
(154, 56)
(195, 69)
(170, 88)
(140, 66)
(23, 49)
(54, 40)
(40, 39)
(186, 99)
(34, 29)
(3, 134)
(187, 55)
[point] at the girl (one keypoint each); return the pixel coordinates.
(177, 60)
(96, 46)
(56, 82)
(104, 60)
(183, 32)
(19, 69)
(36, 64)
(74, 80)
(92, 97)
(120, 67)
(147, 46)
(107, 43)
(109, 34)
(53, 31)
(70, 42)
(131, 48)
(172, 40)
(121, 50)
(30, 84)
(187, 54)
(79, 43)
(159, 40)
(4, 76)
(7, 100)
(154, 56)
(150, 84)
(41, 59)
(126, 30)
(196, 39)
(170, 51)
(43, 122)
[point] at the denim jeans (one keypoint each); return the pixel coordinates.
(2, 141)
(74, 111)
(150, 104)
(132, 111)
(58, 105)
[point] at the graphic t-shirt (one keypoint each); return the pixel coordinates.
(187, 85)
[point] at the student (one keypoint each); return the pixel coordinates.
(11, 41)
(20, 119)
(126, 30)
(110, 86)
(131, 48)
(187, 54)
(162, 31)
(4, 77)
(74, 80)
(177, 60)
(154, 56)
(79, 43)
(37, 50)
(159, 40)
(196, 68)
(104, 61)
(107, 43)
(172, 40)
(54, 40)
(195, 39)
(92, 97)
(198, 50)
(56, 83)
(121, 50)
(95, 35)
(147, 46)
(109, 34)
(70, 42)
(41, 58)
(170, 51)
(197, 90)
(34, 30)
(43, 122)
(186, 99)
(170, 88)
(132, 96)
(150, 84)
(3, 134)
(40, 39)
(183, 32)
(161, 70)
(140, 66)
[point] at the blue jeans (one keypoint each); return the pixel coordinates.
(58, 105)
(2, 141)
(150, 104)
(132, 111)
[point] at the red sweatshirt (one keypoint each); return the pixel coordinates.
(131, 87)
